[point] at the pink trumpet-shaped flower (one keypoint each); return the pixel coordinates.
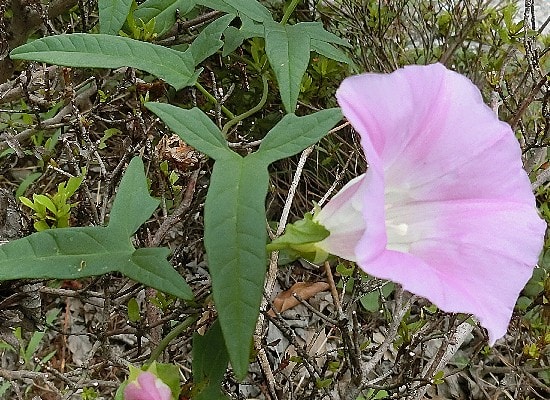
(147, 387)
(445, 208)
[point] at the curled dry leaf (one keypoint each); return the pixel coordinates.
(178, 153)
(286, 300)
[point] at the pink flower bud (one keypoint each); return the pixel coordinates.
(147, 387)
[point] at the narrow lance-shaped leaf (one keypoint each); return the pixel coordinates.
(194, 127)
(287, 48)
(112, 14)
(107, 51)
(293, 134)
(70, 253)
(235, 239)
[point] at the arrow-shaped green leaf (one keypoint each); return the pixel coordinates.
(71, 253)
(322, 42)
(287, 48)
(208, 41)
(234, 37)
(234, 213)
(107, 51)
(316, 31)
(329, 51)
(235, 238)
(132, 205)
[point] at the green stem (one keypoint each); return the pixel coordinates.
(248, 113)
(228, 113)
(289, 11)
(157, 351)
(247, 62)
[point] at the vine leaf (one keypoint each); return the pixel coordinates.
(108, 51)
(322, 42)
(288, 49)
(235, 232)
(235, 238)
(208, 41)
(71, 253)
(194, 127)
(293, 134)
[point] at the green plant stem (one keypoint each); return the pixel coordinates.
(289, 11)
(157, 351)
(248, 62)
(224, 109)
(248, 113)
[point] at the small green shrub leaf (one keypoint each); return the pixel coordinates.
(194, 127)
(134, 313)
(107, 51)
(45, 201)
(112, 14)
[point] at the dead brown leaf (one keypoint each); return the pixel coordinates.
(286, 300)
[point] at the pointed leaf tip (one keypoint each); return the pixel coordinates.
(133, 205)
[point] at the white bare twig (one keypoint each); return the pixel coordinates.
(460, 334)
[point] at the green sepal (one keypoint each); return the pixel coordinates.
(300, 240)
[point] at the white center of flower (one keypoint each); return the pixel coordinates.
(397, 236)
(397, 229)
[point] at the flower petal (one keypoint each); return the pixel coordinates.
(433, 133)
(343, 218)
(147, 387)
(448, 210)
